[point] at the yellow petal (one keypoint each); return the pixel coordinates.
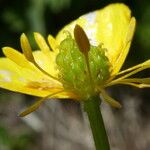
(117, 64)
(47, 63)
(44, 61)
(18, 79)
(16, 57)
(112, 26)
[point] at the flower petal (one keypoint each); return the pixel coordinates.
(121, 56)
(112, 26)
(44, 61)
(47, 63)
(17, 57)
(18, 79)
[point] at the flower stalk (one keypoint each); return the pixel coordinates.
(92, 108)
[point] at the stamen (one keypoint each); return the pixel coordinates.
(135, 69)
(134, 72)
(36, 65)
(30, 109)
(137, 82)
(53, 44)
(28, 51)
(37, 104)
(84, 45)
(110, 100)
(41, 42)
(82, 40)
(26, 48)
(134, 84)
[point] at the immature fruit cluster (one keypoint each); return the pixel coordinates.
(73, 68)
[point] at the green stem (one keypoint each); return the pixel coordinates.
(92, 107)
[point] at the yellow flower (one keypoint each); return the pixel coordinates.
(43, 72)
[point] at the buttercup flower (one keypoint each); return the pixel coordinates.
(85, 58)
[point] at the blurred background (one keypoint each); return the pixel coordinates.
(62, 125)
